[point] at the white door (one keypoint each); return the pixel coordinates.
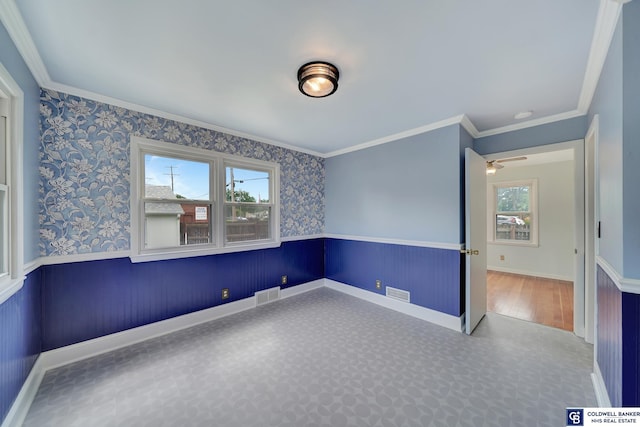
(475, 239)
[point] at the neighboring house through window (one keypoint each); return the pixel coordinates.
(188, 201)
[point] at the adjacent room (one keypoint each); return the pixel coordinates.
(284, 214)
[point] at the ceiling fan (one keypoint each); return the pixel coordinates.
(494, 165)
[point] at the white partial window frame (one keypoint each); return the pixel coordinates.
(235, 163)
(533, 209)
(141, 146)
(12, 108)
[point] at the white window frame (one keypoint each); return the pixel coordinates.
(242, 163)
(533, 208)
(141, 146)
(12, 107)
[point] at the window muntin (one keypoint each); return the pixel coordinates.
(200, 213)
(514, 213)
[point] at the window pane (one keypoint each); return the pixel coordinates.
(186, 179)
(171, 224)
(246, 185)
(512, 199)
(513, 227)
(246, 222)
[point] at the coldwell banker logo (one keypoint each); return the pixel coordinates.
(574, 417)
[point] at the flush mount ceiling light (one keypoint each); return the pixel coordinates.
(318, 79)
(523, 115)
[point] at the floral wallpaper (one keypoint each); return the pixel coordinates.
(84, 170)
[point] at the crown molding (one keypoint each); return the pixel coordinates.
(607, 18)
(606, 22)
(531, 123)
(468, 125)
(396, 136)
(169, 116)
(12, 20)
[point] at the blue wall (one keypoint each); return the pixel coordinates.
(406, 189)
(610, 336)
(607, 103)
(86, 300)
(617, 105)
(631, 350)
(20, 314)
(20, 323)
(631, 139)
(431, 275)
(550, 133)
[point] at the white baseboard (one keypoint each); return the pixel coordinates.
(18, 411)
(301, 289)
(530, 273)
(432, 316)
(83, 350)
(602, 396)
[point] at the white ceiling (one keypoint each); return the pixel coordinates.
(405, 66)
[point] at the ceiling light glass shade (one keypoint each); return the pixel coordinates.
(491, 170)
(318, 79)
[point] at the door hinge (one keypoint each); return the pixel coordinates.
(470, 252)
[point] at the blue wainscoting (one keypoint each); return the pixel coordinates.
(631, 349)
(19, 339)
(86, 300)
(610, 336)
(431, 275)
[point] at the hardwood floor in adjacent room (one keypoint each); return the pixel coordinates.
(536, 299)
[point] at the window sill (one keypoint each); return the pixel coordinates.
(9, 287)
(513, 243)
(160, 255)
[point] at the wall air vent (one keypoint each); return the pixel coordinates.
(268, 295)
(399, 294)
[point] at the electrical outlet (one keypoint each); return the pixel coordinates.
(225, 293)
(501, 257)
(378, 284)
(283, 280)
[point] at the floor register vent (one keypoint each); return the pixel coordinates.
(398, 294)
(268, 295)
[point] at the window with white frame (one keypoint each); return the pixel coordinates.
(11, 215)
(514, 219)
(187, 201)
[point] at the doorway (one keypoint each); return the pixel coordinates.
(539, 279)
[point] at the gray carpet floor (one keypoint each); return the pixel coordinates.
(324, 358)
